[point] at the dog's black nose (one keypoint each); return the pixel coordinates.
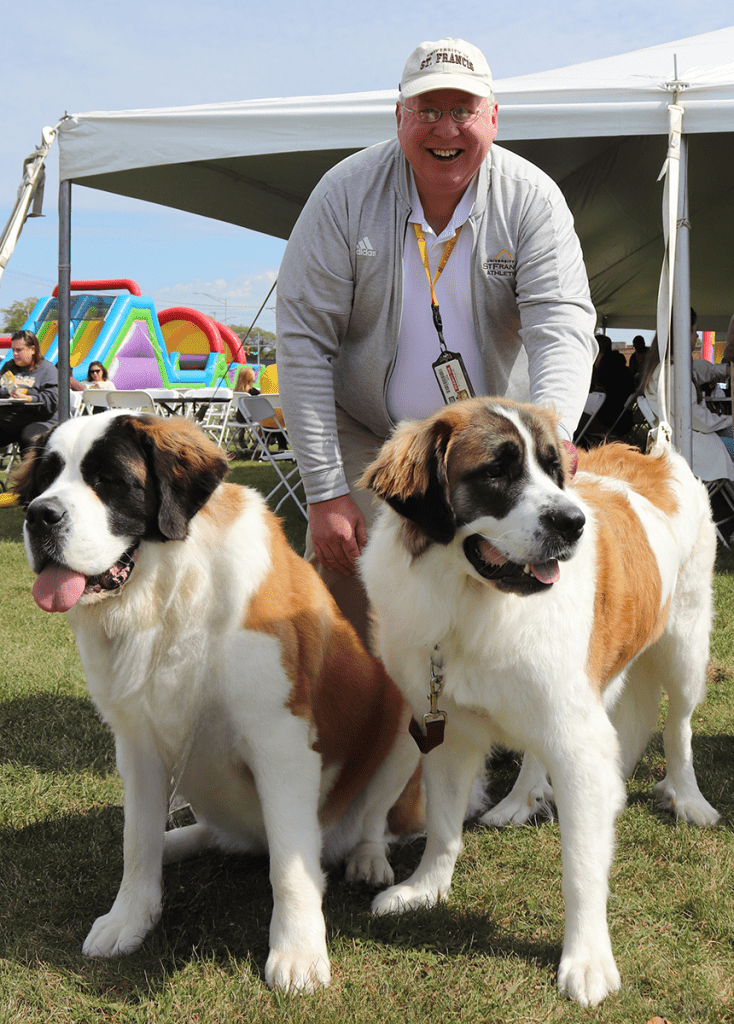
(567, 522)
(43, 513)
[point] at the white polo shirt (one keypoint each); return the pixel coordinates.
(413, 391)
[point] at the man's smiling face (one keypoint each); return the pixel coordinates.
(445, 155)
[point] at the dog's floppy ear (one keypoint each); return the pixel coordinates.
(410, 475)
(186, 468)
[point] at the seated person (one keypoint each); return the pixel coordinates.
(612, 376)
(97, 379)
(245, 383)
(637, 359)
(713, 443)
(34, 383)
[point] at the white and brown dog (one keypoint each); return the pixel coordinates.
(224, 670)
(554, 610)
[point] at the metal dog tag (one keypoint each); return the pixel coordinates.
(453, 380)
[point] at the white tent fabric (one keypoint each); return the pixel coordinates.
(599, 129)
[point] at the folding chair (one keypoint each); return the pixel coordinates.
(93, 400)
(594, 402)
(140, 401)
(256, 411)
(8, 458)
(214, 412)
(75, 403)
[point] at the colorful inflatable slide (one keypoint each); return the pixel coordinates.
(177, 348)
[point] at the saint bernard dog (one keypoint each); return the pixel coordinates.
(225, 672)
(545, 613)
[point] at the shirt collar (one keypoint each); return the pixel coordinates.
(460, 215)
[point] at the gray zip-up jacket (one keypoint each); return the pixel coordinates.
(340, 296)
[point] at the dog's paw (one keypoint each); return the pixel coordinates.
(405, 896)
(368, 863)
(687, 804)
(121, 931)
(588, 979)
(519, 808)
(303, 970)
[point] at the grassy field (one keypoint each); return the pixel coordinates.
(489, 954)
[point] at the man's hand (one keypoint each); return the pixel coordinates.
(338, 533)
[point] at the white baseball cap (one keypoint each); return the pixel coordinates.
(447, 64)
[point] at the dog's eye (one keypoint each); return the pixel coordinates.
(110, 480)
(495, 470)
(552, 465)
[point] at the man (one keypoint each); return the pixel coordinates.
(358, 344)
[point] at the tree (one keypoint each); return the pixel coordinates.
(16, 314)
(257, 340)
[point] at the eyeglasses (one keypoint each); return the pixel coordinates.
(430, 115)
(95, 370)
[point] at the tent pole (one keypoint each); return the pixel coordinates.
(682, 436)
(64, 334)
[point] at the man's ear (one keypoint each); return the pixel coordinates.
(410, 475)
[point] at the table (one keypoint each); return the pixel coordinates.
(169, 400)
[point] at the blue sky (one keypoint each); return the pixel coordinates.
(77, 56)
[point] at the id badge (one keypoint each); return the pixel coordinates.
(453, 380)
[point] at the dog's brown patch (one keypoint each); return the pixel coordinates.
(628, 615)
(648, 475)
(336, 684)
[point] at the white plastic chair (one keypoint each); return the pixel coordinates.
(594, 402)
(213, 412)
(75, 403)
(256, 411)
(8, 457)
(91, 400)
(138, 400)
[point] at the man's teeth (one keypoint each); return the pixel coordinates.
(445, 152)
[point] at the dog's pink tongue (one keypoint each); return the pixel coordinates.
(546, 572)
(490, 554)
(57, 589)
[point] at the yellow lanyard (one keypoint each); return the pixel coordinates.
(448, 249)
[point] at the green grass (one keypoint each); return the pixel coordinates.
(489, 954)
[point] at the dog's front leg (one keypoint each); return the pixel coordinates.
(138, 904)
(368, 861)
(589, 793)
(287, 777)
(448, 771)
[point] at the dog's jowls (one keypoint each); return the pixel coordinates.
(224, 670)
(561, 609)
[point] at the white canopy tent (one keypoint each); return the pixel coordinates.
(600, 129)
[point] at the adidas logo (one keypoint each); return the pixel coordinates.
(364, 247)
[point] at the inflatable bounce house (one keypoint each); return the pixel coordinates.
(178, 348)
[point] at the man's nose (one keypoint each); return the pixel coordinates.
(447, 128)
